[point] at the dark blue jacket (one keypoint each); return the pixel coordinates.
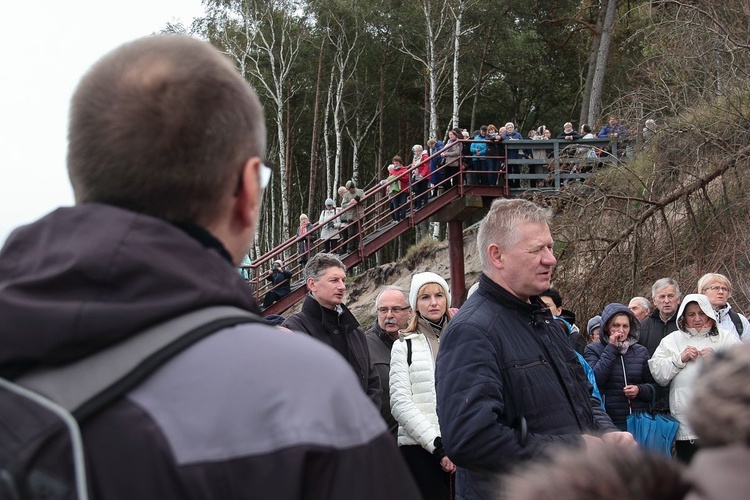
(607, 364)
(613, 371)
(501, 359)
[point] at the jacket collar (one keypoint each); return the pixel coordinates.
(384, 336)
(497, 293)
(204, 237)
(330, 318)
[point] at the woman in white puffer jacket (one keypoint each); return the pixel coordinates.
(412, 386)
(677, 361)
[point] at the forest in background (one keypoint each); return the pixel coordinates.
(346, 85)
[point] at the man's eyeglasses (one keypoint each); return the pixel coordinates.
(716, 288)
(396, 310)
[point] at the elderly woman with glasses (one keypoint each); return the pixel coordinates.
(718, 289)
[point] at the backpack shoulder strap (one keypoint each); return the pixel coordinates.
(88, 385)
(408, 352)
(737, 321)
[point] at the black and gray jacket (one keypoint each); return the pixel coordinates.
(247, 413)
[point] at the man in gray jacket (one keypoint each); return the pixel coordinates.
(166, 148)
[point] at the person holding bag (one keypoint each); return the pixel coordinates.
(620, 365)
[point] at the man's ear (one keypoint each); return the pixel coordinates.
(311, 285)
(247, 200)
(495, 256)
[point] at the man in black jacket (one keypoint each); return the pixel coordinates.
(280, 279)
(662, 321)
(166, 141)
(393, 310)
(508, 383)
(325, 317)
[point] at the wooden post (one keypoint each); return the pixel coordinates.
(456, 255)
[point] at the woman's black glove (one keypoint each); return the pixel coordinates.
(439, 451)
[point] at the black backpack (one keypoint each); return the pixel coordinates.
(737, 322)
(49, 405)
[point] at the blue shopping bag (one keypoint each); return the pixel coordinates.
(655, 433)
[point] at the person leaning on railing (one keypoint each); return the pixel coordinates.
(450, 156)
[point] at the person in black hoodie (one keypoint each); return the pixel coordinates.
(280, 279)
(166, 141)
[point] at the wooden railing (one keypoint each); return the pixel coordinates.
(569, 161)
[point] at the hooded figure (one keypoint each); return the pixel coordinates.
(620, 365)
(594, 323)
(679, 357)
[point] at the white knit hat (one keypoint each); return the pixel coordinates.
(420, 279)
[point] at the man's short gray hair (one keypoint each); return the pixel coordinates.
(664, 283)
(499, 226)
(642, 301)
(387, 289)
(319, 263)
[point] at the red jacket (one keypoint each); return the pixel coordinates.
(401, 171)
(424, 166)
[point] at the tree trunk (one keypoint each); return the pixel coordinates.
(593, 52)
(458, 14)
(332, 178)
(597, 85)
(480, 76)
(315, 133)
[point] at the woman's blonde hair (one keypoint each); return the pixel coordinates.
(710, 278)
(414, 321)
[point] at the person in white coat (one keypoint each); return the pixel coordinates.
(718, 289)
(678, 360)
(330, 226)
(412, 386)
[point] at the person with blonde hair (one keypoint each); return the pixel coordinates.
(412, 386)
(420, 175)
(508, 383)
(718, 289)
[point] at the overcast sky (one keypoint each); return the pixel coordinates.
(46, 47)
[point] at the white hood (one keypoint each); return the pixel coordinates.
(704, 304)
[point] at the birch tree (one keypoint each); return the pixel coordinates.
(432, 53)
(457, 13)
(600, 68)
(265, 41)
